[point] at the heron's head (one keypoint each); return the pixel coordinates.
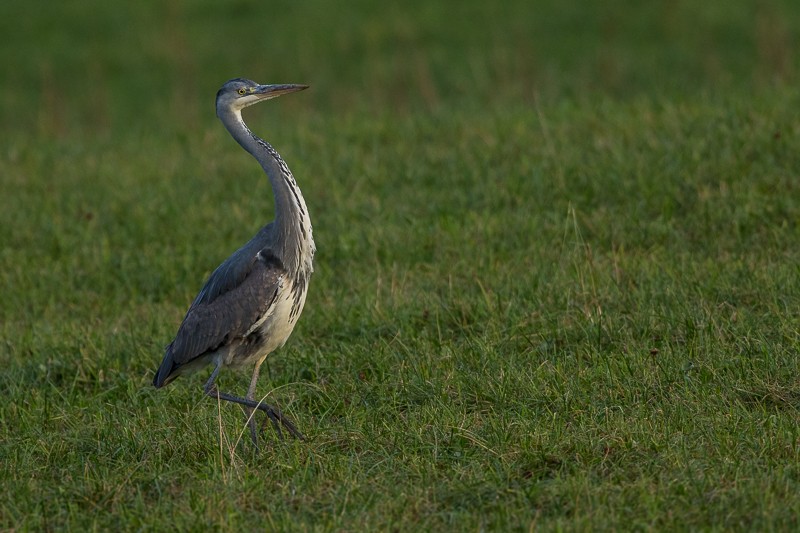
(239, 93)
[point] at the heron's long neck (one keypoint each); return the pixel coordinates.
(292, 223)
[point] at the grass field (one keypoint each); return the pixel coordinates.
(556, 287)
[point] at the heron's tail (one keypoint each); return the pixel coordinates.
(164, 374)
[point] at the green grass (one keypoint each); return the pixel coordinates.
(557, 281)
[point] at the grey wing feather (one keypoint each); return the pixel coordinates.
(238, 302)
(229, 275)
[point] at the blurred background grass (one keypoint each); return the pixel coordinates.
(103, 67)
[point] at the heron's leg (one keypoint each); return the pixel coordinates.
(251, 391)
(210, 387)
(212, 378)
(251, 396)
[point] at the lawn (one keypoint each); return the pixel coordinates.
(556, 285)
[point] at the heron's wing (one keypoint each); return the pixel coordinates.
(230, 274)
(211, 323)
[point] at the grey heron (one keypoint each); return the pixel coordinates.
(251, 302)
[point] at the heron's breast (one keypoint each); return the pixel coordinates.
(281, 320)
(274, 328)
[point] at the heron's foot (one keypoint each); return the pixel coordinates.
(274, 415)
(251, 423)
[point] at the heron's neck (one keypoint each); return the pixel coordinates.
(292, 225)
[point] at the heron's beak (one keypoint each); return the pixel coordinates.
(265, 92)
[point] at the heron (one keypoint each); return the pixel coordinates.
(250, 304)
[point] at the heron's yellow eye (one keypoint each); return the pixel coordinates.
(242, 91)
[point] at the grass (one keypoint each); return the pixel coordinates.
(557, 283)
